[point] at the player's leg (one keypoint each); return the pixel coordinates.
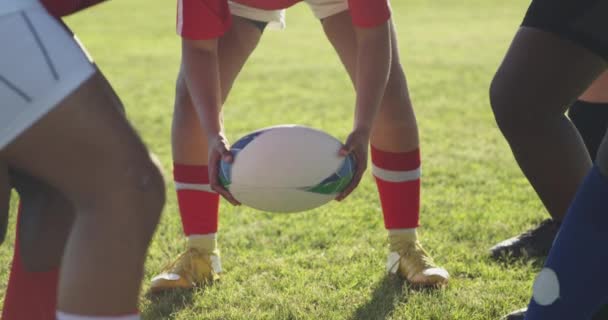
(198, 204)
(529, 95)
(43, 223)
(529, 100)
(31, 292)
(117, 203)
(395, 159)
(543, 72)
(589, 114)
(46, 218)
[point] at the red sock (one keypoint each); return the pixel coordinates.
(398, 180)
(30, 295)
(198, 204)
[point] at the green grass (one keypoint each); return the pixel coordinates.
(329, 263)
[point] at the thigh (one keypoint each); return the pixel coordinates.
(542, 74)
(396, 106)
(85, 149)
(234, 49)
(189, 140)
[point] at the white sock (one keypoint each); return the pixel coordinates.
(204, 242)
(395, 232)
(397, 238)
(67, 316)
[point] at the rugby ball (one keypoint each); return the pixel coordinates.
(286, 168)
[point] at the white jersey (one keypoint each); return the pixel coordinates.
(40, 65)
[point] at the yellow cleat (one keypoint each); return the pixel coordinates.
(411, 262)
(190, 269)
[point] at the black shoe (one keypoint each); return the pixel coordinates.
(531, 244)
(516, 315)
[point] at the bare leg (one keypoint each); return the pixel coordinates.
(96, 160)
(45, 221)
(395, 128)
(540, 76)
(394, 139)
(43, 224)
(590, 114)
(199, 208)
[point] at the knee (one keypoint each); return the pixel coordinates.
(130, 204)
(509, 113)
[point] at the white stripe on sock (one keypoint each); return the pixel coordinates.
(395, 176)
(193, 186)
(402, 231)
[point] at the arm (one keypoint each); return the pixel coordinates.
(201, 71)
(373, 65)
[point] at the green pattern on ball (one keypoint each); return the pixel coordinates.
(331, 187)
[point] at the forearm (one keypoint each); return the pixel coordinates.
(373, 65)
(201, 71)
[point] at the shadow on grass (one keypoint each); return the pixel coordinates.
(166, 305)
(386, 295)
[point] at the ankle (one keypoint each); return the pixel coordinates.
(400, 239)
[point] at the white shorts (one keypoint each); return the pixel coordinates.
(41, 63)
(276, 18)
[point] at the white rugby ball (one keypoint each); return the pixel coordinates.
(287, 168)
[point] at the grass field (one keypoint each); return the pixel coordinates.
(329, 263)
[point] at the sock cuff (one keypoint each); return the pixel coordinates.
(396, 161)
(190, 173)
(204, 242)
(66, 316)
(401, 231)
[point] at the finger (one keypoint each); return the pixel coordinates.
(224, 152)
(346, 148)
(344, 151)
(225, 193)
(215, 184)
(353, 184)
(227, 156)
